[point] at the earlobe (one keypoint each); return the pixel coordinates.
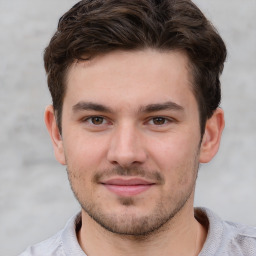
(52, 127)
(212, 136)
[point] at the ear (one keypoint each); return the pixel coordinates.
(52, 127)
(212, 136)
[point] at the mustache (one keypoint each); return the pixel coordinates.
(129, 171)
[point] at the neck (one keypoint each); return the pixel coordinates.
(183, 235)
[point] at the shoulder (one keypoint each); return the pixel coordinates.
(226, 238)
(64, 243)
(241, 237)
(50, 247)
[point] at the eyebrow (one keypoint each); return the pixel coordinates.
(80, 106)
(169, 105)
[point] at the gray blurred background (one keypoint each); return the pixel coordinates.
(35, 199)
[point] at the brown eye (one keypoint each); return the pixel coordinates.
(97, 120)
(159, 120)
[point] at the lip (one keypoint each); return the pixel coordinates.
(127, 187)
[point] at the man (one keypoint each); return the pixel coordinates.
(136, 93)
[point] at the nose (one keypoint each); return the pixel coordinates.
(126, 146)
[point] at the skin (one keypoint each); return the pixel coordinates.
(131, 117)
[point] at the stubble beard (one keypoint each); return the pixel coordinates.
(127, 224)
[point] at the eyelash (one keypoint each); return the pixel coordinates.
(89, 120)
(149, 121)
(160, 118)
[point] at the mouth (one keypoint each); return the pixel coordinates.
(127, 187)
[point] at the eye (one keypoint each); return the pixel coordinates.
(96, 120)
(158, 120)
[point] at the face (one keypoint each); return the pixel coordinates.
(131, 138)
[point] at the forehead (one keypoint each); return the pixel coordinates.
(146, 77)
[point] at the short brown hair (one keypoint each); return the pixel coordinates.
(93, 27)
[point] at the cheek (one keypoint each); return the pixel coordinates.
(84, 152)
(173, 150)
(176, 157)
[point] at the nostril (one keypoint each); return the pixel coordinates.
(128, 159)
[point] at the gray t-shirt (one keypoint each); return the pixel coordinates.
(223, 239)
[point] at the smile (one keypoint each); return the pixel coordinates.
(130, 187)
